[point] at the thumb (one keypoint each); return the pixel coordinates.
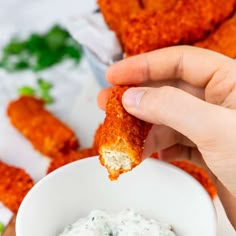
(196, 119)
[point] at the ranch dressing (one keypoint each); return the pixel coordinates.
(125, 223)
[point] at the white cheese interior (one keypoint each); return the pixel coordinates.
(116, 160)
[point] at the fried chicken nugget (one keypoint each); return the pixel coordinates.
(223, 39)
(46, 133)
(159, 5)
(188, 22)
(14, 185)
(199, 174)
(155, 155)
(72, 156)
(122, 136)
(115, 11)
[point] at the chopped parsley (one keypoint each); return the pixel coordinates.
(40, 51)
(26, 90)
(1, 227)
(42, 91)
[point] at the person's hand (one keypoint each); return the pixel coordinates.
(190, 96)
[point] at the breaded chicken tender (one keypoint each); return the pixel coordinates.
(72, 156)
(162, 6)
(223, 39)
(14, 185)
(189, 21)
(47, 134)
(115, 11)
(122, 138)
(155, 155)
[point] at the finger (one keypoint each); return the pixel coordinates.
(102, 97)
(190, 116)
(196, 91)
(193, 65)
(181, 152)
(162, 137)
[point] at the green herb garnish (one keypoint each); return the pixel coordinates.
(42, 91)
(44, 85)
(40, 51)
(26, 90)
(1, 227)
(47, 98)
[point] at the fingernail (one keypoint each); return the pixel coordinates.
(133, 96)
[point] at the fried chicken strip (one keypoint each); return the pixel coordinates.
(115, 11)
(189, 21)
(46, 133)
(122, 136)
(72, 156)
(14, 185)
(162, 6)
(223, 39)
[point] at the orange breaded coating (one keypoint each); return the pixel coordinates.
(159, 5)
(14, 185)
(155, 155)
(46, 133)
(115, 11)
(199, 174)
(223, 39)
(122, 137)
(189, 21)
(71, 157)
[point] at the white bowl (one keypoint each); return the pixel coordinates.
(155, 189)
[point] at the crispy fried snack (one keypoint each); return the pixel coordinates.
(72, 156)
(199, 174)
(159, 5)
(155, 155)
(223, 39)
(189, 21)
(46, 133)
(14, 185)
(115, 11)
(122, 137)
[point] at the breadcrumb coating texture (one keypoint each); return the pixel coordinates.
(223, 39)
(14, 185)
(162, 6)
(155, 155)
(115, 11)
(188, 22)
(72, 156)
(46, 133)
(121, 133)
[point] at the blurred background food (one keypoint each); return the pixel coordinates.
(141, 27)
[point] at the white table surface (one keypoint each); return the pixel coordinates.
(75, 102)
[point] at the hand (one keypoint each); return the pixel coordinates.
(190, 96)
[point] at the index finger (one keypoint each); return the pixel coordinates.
(191, 64)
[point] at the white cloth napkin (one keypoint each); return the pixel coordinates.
(92, 32)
